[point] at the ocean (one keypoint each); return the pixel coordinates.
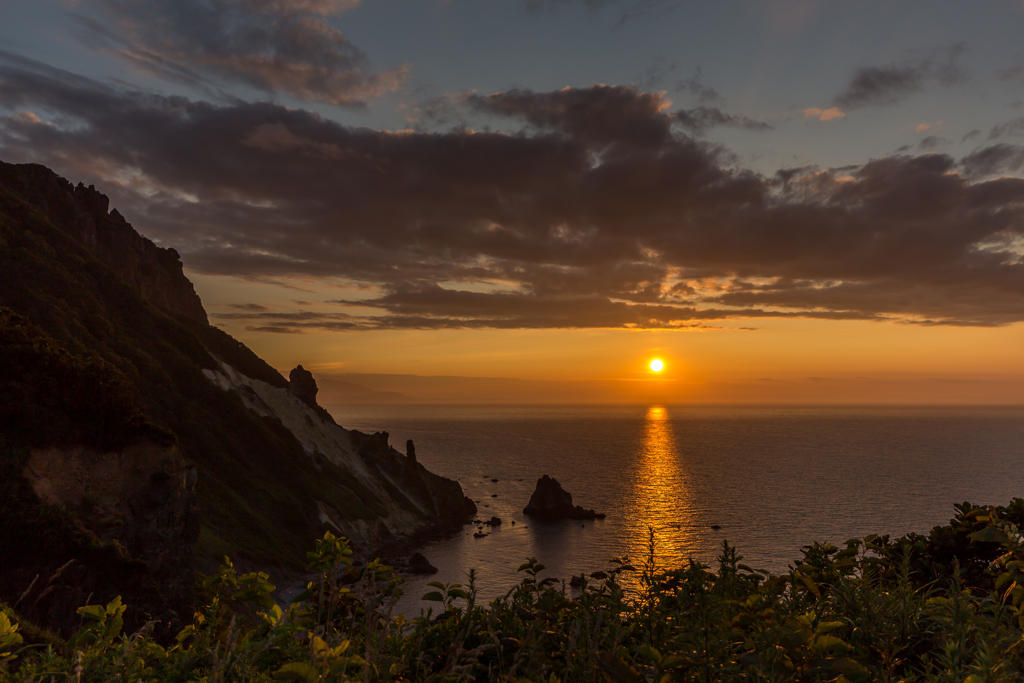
(767, 479)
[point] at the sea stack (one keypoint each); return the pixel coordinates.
(551, 501)
(302, 384)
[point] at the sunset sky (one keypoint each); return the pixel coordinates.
(783, 200)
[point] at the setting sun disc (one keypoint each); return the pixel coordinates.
(657, 365)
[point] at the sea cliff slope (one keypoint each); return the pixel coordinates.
(126, 417)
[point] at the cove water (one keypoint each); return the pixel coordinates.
(768, 479)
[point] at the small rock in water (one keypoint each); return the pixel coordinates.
(716, 527)
(418, 564)
(551, 501)
(513, 521)
(495, 521)
(494, 480)
(494, 495)
(576, 581)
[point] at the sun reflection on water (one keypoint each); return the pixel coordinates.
(661, 496)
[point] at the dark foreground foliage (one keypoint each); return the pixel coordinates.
(874, 610)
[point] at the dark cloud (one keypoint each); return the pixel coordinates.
(248, 307)
(931, 142)
(695, 86)
(872, 85)
(1013, 127)
(881, 85)
(271, 45)
(993, 160)
(593, 208)
(605, 114)
(633, 9)
(1013, 73)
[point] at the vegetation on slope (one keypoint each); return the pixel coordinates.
(874, 610)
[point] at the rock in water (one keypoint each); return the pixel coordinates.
(418, 564)
(410, 450)
(302, 384)
(551, 501)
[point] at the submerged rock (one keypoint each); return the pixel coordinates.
(551, 501)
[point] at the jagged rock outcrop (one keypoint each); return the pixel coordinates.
(302, 384)
(551, 501)
(82, 212)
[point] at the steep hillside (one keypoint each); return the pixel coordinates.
(270, 472)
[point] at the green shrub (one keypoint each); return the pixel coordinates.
(866, 612)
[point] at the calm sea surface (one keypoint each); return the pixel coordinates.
(773, 479)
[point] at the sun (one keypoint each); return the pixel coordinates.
(657, 365)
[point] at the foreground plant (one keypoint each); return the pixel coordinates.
(874, 610)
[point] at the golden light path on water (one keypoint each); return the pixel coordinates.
(661, 496)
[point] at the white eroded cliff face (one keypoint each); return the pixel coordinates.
(412, 496)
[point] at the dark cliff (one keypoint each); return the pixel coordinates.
(129, 426)
(82, 213)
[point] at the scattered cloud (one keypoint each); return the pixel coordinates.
(695, 86)
(883, 85)
(925, 127)
(633, 9)
(285, 46)
(1014, 127)
(592, 207)
(249, 307)
(994, 160)
(824, 114)
(932, 141)
(1013, 73)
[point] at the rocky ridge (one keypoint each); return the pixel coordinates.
(82, 213)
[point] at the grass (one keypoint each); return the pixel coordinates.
(873, 610)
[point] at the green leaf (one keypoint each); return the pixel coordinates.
(297, 671)
(826, 626)
(989, 535)
(811, 586)
(675, 662)
(436, 584)
(93, 612)
(829, 644)
(434, 596)
(649, 652)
